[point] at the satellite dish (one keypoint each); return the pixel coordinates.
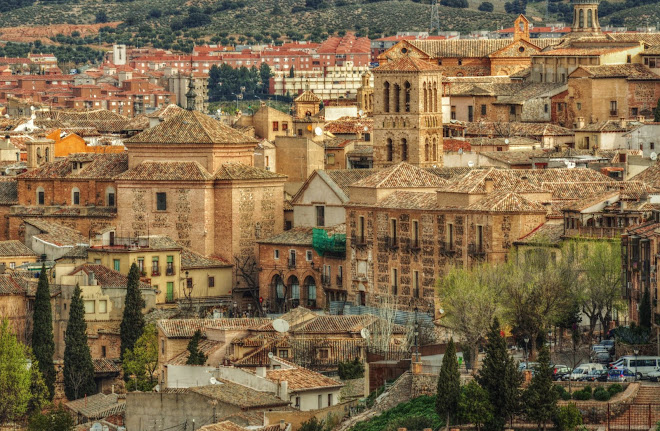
(460, 151)
(506, 141)
(318, 131)
(470, 164)
(270, 355)
(280, 325)
(654, 156)
(366, 129)
(213, 381)
(360, 112)
(32, 108)
(364, 333)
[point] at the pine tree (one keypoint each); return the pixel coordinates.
(645, 309)
(540, 398)
(196, 357)
(43, 344)
(449, 385)
(78, 367)
(132, 323)
(499, 376)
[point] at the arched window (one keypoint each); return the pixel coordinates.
(295, 291)
(435, 150)
(581, 18)
(404, 149)
(426, 150)
(389, 150)
(407, 97)
(110, 197)
(47, 154)
(41, 196)
(75, 196)
(386, 97)
(590, 18)
(426, 101)
(397, 98)
(310, 291)
(435, 97)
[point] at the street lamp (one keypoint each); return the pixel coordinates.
(636, 351)
(526, 339)
(249, 310)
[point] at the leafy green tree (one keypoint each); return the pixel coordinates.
(78, 367)
(567, 418)
(101, 16)
(540, 399)
(351, 369)
(132, 323)
(486, 6)
(39, 394)
(14, 376)
(55, 419)
(142, 361)
(196, 356)
(474, 406)
(500, 378)
(645, 312)
(449, 385)
(470, 299)
(43, 344)
(656, 116)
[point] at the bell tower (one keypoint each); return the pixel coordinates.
(585, 16)
(365, 94)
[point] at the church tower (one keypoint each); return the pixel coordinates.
(407, 113)
(585, 16)
(365, 95)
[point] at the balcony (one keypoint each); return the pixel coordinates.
(614, 113)
(340, 280)
(325, 280)
(155, 271)
(358, 241)
(447, 248)
(391, 242)
(476, 250)
(414, 245)
(170, 271)
(595, 232)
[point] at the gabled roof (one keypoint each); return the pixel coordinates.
(307, 96)
(99, 167)
(401, 175)
(302, 379)
(338, 180)
(10, 286)
(106, 278)
(55, 233)
(191, 127)
(97, 406)
(15, 248)
(475, 182)
(547, 233)
(410, 200)
(504, 201)
(650, 176)
(185, 328)
(239, 171)
(408, 63)
(467, 48)
(629, 71)
(8, 191)
(167, 171)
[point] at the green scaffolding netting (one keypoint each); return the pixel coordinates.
(324, 244)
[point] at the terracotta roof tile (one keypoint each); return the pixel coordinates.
(632, 71)
(205, 346)
(650, 176)
(9, 285)
(307, 96)
(15, 248)
(238, 395)
(100, 167)
(239, 171)
(407, 63)
(503, 201)
(8, 192)
(471, 47)
(343, 178)
(97, 406)
(106, 278)
(55, 233)
(191, 259)
(516, 129)
(105, 365)
(185, 328)
(401, 175)
(503, 180)
(547, 233)
(188, 127)
(167, 171)
(302, 379)
(350, 125)
(410, 200)
(540, 176)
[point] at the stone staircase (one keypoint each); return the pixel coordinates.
(647, 395)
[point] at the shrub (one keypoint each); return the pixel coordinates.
(600, 394)
(582, 395)
(486, 6)
(313, 425)
(615, 389)
(587, 389)
(567, 418)
(565, 396)
(411, 423)
(351, 369)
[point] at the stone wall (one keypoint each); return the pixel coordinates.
(330, 415)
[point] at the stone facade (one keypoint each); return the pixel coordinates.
(407, 113)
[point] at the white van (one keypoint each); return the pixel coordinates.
(582, 370)
(640, 365)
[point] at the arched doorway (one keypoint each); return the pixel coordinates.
(278, 294)
(310, 291)
(294, 286)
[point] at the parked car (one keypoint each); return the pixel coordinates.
(527, 365)
(601, 357)
(642, 365)
(596, 376)
(559, 372)
(654, 376)
(582, 370)
(620, 375)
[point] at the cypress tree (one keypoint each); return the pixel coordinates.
(656, 117)
(196, 357)
(132, 323)
(540, 398)
(449, 385)
(645, 309)
(499, 376)
(78, 367)
(43, 344)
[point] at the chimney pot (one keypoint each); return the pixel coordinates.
(622, 122)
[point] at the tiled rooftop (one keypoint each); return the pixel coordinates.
(463, 48)
(650, 176)
(167, 171)
(407, 63)
(238, 395)
(503, 180)
(302, 379)
(191, 127)
(410, 200)
(106, 277)
(631, 71)
(8, 192)
(185, 328)
(55, 233)
(100, 167)
(105, 366)
(15, 248)
(401, 175)
(205, 346)
(97, 406)
(307, 96)
(504, 201)
(516, 129)
(547, 233)
(10, 286)
(239, 171)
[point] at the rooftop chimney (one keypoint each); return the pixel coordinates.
(622, 122)
(580, 122)
(488, 184)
